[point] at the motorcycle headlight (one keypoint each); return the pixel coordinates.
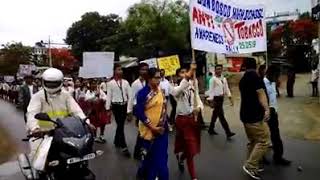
(75, 142)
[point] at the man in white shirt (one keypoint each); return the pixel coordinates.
(25, 94)
(314, 81)
(164, 83)
(1, 90)
(6, 88)
(270, 83)
(218, 89)
(136, 86)
(119, 96)
(68, 87)
(165, 86)
(139, 83)
(103, 86)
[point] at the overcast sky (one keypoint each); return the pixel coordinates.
(29, 21)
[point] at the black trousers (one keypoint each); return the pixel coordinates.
(290, 87)
(173, 110)
(137, 147)
(120, 115)
(25, 117)
(275, 135)
(25, 110)
(218, 112)
(201, 120)
(315, 91)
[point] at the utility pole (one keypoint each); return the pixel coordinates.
(49, 43)
(49, 52)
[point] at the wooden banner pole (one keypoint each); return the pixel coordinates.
(193, 56)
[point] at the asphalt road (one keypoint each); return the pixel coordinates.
(219, 159)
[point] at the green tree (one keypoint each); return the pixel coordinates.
(88, 33)
(155, 27)
(13, 54)
(152, 27)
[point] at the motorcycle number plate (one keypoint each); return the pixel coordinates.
(76, 159)
(73, 160)
(89, 156)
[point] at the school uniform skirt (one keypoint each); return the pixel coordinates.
(99, 116)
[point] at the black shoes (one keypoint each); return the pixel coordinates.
(126, 152)
(180, 163)
(137, 157)
(282, 162)
(231, 134)
(100, 140)
(212, 132)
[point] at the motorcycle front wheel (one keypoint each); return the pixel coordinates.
(45, 176)
(50, 177)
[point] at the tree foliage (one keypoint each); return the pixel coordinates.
(157, 26)
(87, 33)
(13, 54)
(152, 28)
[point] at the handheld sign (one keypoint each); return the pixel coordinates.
(152, 62)
(97, 65)
(170, 64)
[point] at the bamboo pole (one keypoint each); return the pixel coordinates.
(193, 56)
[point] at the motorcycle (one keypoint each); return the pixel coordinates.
(63, 153)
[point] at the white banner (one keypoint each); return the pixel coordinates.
(97, 65)
(8, 79)
(26, 69)
(152, 62)
(225, 27)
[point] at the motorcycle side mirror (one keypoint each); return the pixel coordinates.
(45, 117)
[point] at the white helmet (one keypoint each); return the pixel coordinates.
(52, 80)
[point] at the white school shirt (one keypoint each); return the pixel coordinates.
(69, 90)
(80, 93)
(136, 86)
(315, 75)
(91, 96)
(119, 92)
(271, 92)
(165, 86)
(30, 90)
(103, 86)
(218, 86)
(187, 97)
(5, 86)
